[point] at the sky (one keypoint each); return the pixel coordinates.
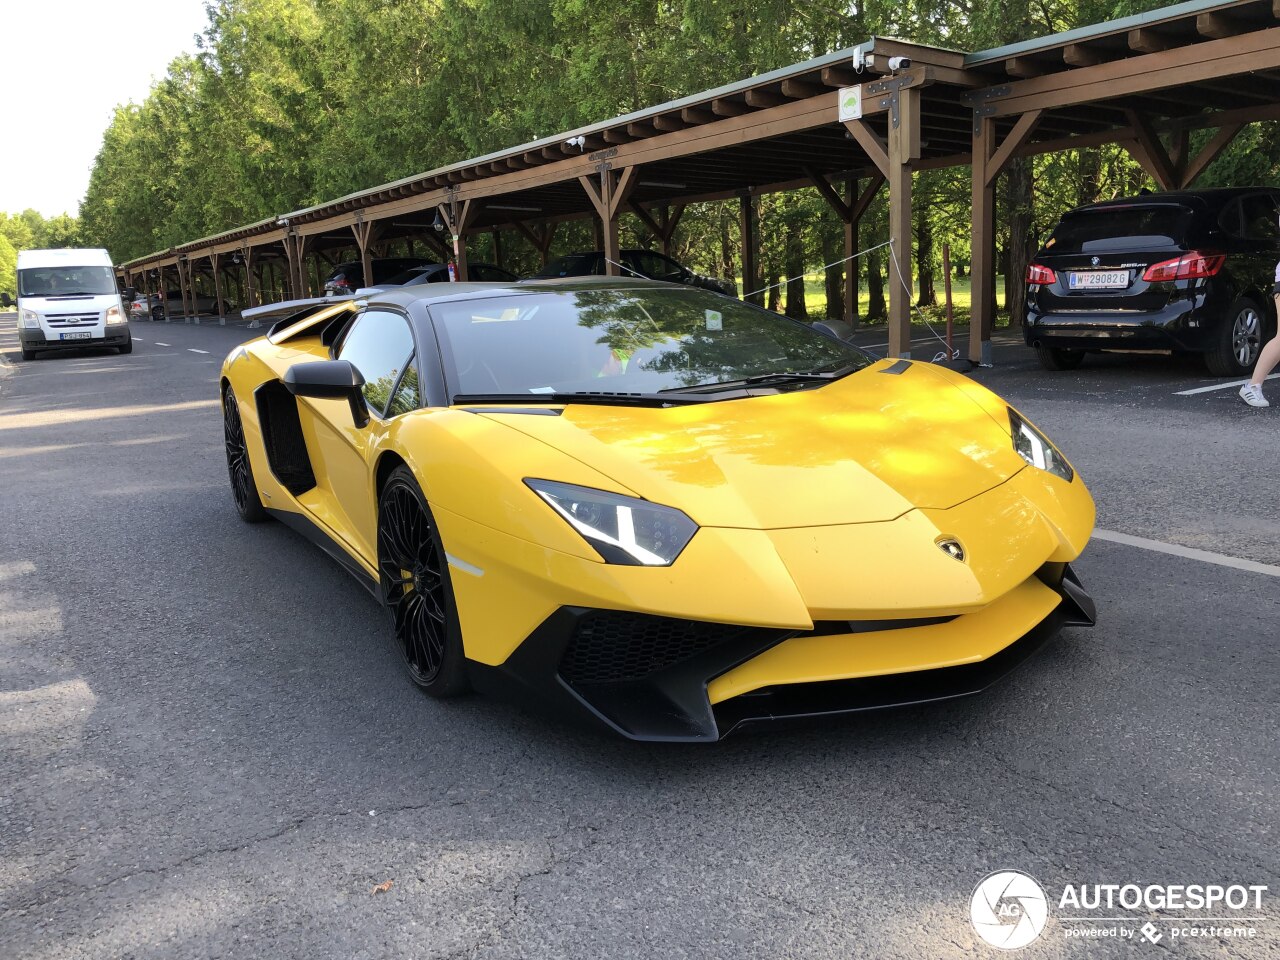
(66, 65)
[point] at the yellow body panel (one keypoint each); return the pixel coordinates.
(967, 639)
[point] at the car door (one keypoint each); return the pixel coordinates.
(1262, 243)
(379, 343)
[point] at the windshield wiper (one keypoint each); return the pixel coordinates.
(775, 379)
(600, 397)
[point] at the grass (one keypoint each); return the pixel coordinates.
(815, 296)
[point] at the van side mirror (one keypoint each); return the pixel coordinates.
(5, 300)
(329, 380)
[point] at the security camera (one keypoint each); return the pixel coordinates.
(899, 63)
(579, 142)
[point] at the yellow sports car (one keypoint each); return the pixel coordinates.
(654, 506)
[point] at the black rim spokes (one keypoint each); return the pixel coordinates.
(237, 452)
(411, 571)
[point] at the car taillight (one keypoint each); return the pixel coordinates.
(341, 282)
(1189, 266)
(1040, 274)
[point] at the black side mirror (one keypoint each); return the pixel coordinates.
(329, 380)
(6, 301)
(130, 294)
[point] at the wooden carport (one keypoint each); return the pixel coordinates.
(1146, 82)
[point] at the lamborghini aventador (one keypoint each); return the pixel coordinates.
(654, 507)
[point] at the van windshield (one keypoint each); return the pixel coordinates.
(65, 281)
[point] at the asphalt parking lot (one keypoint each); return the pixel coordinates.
(207, 747)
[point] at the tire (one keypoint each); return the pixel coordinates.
(28, 354)
(1056, 358)
(127, 348)
(414, 575)
(1239, 340)
(243, 488)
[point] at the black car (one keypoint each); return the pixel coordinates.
(1189, 272)
(171, 304)
(642, 263)
(439, 273)
(349, 277)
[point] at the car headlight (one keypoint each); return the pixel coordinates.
(1035, 448)
(30, 319)
(115, 315)
(622, 529)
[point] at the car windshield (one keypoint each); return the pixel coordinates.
(65, 281)
(626, 341)
(1141, 226)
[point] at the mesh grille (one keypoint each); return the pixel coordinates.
(610, 646)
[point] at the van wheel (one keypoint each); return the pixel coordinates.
(28, 354)
(1056, 358)
(1239, 341)
(127, 348)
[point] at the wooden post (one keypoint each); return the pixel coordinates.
(851, 261)
(184, 285)
(749, 231)
(251, 288)
(217, 285)
(904, 150)
(497, 248)
(982, 276)
(608, 198)
(946, 281)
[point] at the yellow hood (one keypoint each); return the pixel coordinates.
(866, 448)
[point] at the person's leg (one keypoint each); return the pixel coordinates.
(1268, 359)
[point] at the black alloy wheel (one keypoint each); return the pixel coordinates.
(243, 488)
(414, 575)
(1059, 358)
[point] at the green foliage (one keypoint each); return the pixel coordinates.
(8, 266)
(287, 103)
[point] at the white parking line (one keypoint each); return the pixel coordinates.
(194, 350)
(1187, 553)
(139, 339)
(1219, 386)
(159, 344)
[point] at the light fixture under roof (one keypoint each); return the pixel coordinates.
(661, 183)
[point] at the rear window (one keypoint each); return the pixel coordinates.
(1146, 227)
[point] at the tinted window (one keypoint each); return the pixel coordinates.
(1260, 217)
(573, 265)
(654, 265)
(623, 341)
(379, 345)
(487, 274)
(1137, 227)
(406, 395)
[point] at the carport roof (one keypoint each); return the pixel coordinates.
(779, 130)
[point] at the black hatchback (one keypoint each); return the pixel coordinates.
(1189, 272)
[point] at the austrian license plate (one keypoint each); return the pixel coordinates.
(1099, 280)
(83, 335)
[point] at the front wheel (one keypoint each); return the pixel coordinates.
(126, 348)
(1056, 358)
(243, 487)
(28, 354)
(414, 575)
(1239, 341)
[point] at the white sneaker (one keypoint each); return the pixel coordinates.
(1251, 394)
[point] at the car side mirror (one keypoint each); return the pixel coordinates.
(329, 380)
(6, 301)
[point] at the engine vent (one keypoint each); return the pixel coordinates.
(286, 448)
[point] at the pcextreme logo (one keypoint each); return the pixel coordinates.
(1010, 910)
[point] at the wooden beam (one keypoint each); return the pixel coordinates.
(729, 108)
(871, 144)
(1208, 153)
(1023, 129)
(763, 98)
(669, 122)
(1147, 149)
(692, 115)
(1217, 26)
(646, 218)
(641, 130)
(1170, 69)
(1147, 40)
(982, 245)
(620, 189)
(843, 76)
(799, 89)
(1078, 55)
(904, 148)
(594, 194)
(1023, 67)
(859, 206)
(828, 192)
(617, 135)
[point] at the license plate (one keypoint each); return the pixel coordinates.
(1099, 280)
(77, 336)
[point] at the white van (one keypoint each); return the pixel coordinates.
(69, 298)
